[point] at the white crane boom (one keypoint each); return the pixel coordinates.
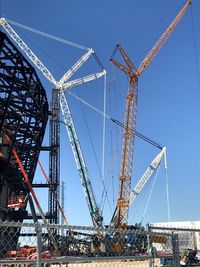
(143, 180)
(82, 80)
(61, 85)
(145, 177)
(74, 68)
(27, 51)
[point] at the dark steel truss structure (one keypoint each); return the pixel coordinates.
(23, 115)
(54, 158)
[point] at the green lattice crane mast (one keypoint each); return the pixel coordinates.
(120, 217)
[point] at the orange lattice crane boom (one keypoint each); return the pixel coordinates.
(155, 50)
(124, 187)
(120, 217)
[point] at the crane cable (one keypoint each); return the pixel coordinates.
(195, 49)
(42, 50)
(141, 136)
(110, 174)
(97, 60)
(104, 191)
(54, 193)
(104, 130)
(50, 36)
(137, 206)
(167, 188)
(150, 194)
(88, 104)
(31, 189)
(61, 40)
(95, 155)
(98, 167)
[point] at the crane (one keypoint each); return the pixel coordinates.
(120, 218)
(153, 166)
(147, 175)
(62, 85)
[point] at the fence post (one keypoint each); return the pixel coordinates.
(175, 250)
(1, 244)
(39, 244)
(151, 262)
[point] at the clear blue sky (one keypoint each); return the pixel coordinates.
(169, 95)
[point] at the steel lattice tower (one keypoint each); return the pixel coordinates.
(54, 158)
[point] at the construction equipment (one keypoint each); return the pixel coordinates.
(62, 85)
(76, 148)
(147, 175)
(80, 162)
(120, 218)
(189, 258)
(117, 245)
(153, 166)
(27, 253)
(141, 136)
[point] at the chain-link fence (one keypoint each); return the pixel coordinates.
(30, 244)
(181, 246)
